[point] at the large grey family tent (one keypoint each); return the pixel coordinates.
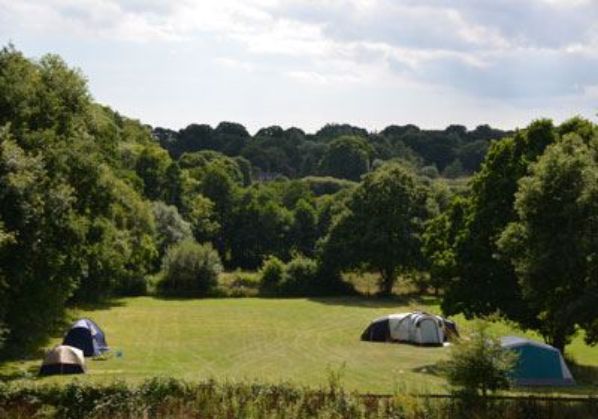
(538, 364)
(87, 336)
(418, 327)
(63, 359)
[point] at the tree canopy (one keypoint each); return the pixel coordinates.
(553, 243)
(381, 226)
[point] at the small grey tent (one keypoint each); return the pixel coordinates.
(86, 335)
(538, 364)
(63, 359)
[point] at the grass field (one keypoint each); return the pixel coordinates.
(270, 340)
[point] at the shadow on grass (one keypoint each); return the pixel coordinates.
(97, 306)
(378, 301)
(180, 297)
(35, 348)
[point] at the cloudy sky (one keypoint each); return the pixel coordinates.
(305, 63)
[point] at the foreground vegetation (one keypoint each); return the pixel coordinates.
(171, 398)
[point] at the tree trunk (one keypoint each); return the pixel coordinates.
(558, 340)
(387, 282)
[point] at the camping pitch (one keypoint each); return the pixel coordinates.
(87, 336)
(63, 359)
(418, 327)
(538, 364)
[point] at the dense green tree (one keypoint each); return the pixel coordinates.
(304, 231)
(171, 228)
(220, 188)
(453, 170)
(152, 167)
(483, 283)
(438, 243)
(261, 227)
(70, 198)
(332, 131)
(40, 96)
(291, 192)
(553, 243)
(120, 247)
(194, 137)
(347, 158)
(199, 211)
(472, 155)
(41, 263)
(173, 187)
(231, 137)
(245, 169)
(197, 163)
(382, 226)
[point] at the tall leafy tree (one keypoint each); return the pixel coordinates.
(438, 243)
(553, 242)
(347, 158)
(483, 283)
(382, 226)
(153, 166)
(41, 264)
(261, 227)
(70, 201)
(305, 228)
(218, 186)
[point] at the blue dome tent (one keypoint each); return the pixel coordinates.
(538, 364)
(87, 336)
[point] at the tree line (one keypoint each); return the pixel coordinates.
(337, 150)
(92, 204)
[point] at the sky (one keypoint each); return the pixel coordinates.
(370, 63)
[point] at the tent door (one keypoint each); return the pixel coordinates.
(429, 332)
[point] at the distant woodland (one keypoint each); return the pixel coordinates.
(338, 150)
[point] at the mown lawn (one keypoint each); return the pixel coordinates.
(298, 340)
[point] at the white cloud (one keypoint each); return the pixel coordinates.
(504, 50)
(233, 63)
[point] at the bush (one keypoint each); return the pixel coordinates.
(168, 397)
(301, 277)
(271, 275)
(191, 269)
(479, 365)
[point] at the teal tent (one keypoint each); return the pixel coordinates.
(538, 364)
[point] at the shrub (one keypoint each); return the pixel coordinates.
(271, 275)
(479, 365)
(301, 277)
(189, 268)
